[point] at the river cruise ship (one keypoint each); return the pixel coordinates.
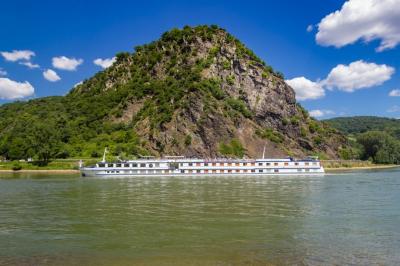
(181, 166)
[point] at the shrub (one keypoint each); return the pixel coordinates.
(230, 80)
(188, 140)
(270, 134)
(16, 166)
(239, 105)
(234, 148)
(226, 64)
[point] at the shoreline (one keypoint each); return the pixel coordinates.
(372, 167)
(50, 171)
(74, 171)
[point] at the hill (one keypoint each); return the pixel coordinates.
(361, 124)
(197, 91)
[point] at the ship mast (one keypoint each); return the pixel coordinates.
(104, 155)
(263, 156)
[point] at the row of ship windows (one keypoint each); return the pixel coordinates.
(151, 165)
(201, 171)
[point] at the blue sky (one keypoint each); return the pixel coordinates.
(274, 30)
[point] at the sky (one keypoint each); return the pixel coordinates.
(341, 57)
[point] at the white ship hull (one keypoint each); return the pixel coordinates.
(199, 167)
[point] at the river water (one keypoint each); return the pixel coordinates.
(348, 218)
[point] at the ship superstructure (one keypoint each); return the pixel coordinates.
(180, 166)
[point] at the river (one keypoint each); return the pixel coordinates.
(345, 218)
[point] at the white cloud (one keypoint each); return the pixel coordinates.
(3, 72)
(310, 28)
(320, 113)
(306, 89)
(10, 89)
(357, 75)
(29, 64)
(17, 55)
(104, 63)
(365, 20)
(394, 109)
(66, 63)
(394, 93)
(51, 75)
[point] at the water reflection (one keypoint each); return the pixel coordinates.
(253, 220)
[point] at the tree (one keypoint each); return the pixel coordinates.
(380, 147)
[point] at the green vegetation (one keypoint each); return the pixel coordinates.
(234, 148)
(361, 124)
(57, 164)
(270, 134)
(188, 140)
(239, 106)
(372, 138)
(379, 147)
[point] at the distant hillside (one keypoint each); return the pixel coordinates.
(361, 124)
(196, 91)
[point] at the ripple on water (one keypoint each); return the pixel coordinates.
(349, 218)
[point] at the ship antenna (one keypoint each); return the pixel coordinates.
(104, 155)
(263, 153)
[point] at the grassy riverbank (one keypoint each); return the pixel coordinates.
(60, 165)
(342, 165)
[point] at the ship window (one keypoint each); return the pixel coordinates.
(229, 164)
(314, 163)
(244, 164)
(296, 163)
(214, 164)
(276, 170)
(253, 164)
(286, 164)
(275, 164)
(206, 171)
(118, 165)
(101, 165)
(182, 171)
(237, 170)
(245, 170)
(190, 171)
(205, 164)
(237, 164)
(190, 164)
(260, 164)
(198, 164)
(142, 165)
(117, 172)
(126, 165)
(214, 171)
(260, 170)
(150, 165)
(306, 163)
(134, 165)
(198, 171)
(268, 164)
(253, 171)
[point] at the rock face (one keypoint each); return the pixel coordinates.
(195, 92)
(246, 100)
